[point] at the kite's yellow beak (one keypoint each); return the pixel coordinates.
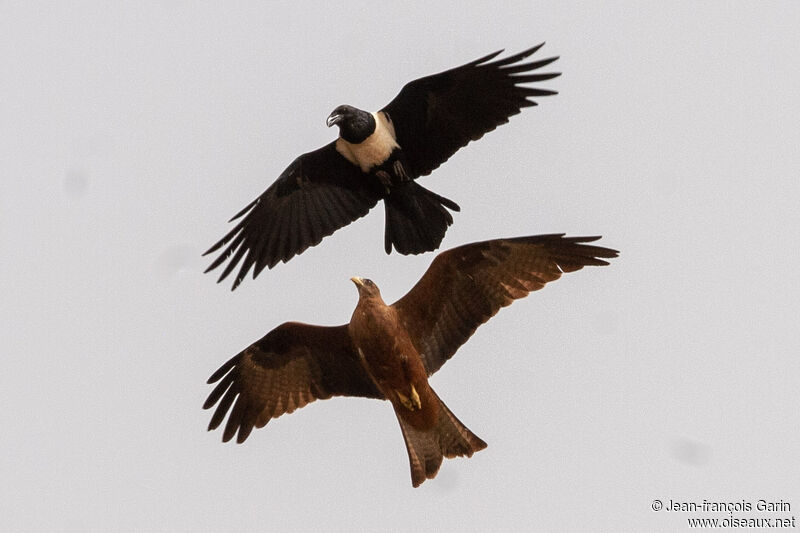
(358, 281)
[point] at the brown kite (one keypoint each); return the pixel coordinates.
(378, 156)
(389, 351)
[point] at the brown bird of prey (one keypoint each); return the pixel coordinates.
(377, 157)
(389, 351)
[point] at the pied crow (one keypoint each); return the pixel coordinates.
(377, 156)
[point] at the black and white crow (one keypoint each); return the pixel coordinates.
(377, 157)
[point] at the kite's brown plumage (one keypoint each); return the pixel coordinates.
(388, 351)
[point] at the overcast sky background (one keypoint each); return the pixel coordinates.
(129, 135)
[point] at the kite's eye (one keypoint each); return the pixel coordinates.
(368, 282)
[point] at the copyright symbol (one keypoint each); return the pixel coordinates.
(657, 505)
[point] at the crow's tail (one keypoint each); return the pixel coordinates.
(416, 218)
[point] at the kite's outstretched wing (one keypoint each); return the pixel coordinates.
(467, 285)
(291, 366)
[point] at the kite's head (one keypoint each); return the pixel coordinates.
(354, 124)
(366, 287)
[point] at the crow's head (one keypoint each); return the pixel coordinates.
(354, 124)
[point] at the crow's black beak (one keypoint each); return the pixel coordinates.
(333, 119)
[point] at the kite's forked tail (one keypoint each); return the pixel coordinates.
(427, 447)
(416, 218)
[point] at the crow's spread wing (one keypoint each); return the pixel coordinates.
(317, 194)
(436, 115)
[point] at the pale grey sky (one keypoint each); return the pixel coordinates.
(130, 134)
